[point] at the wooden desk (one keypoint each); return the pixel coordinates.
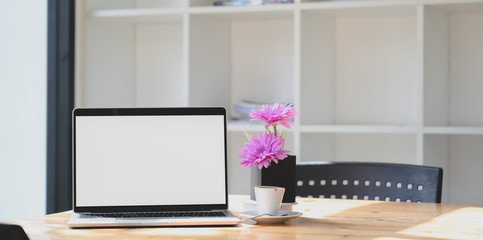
(323, 218)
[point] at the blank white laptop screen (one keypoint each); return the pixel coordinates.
(149, 160)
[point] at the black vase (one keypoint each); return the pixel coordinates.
(280, 175)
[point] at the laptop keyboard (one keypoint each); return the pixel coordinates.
(155, 214)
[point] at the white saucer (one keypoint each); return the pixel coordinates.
(251, 205)
(287, 215)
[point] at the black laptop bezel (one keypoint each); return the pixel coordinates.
(219, 111)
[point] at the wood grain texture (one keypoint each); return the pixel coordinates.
(322, 218)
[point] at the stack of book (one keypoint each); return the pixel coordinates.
(244, 107)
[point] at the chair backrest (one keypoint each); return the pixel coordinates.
(369, 181)
(12, 232)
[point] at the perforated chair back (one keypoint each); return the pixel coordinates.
(369, 181)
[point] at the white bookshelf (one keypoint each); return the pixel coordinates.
(382, 80)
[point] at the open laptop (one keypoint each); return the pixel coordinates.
(150, 167)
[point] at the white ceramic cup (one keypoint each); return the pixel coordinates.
(269, 199)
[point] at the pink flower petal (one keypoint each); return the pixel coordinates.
(278, 114)
(285, 124)
(262, 150)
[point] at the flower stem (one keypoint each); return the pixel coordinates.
(247, 135)
(275, 130)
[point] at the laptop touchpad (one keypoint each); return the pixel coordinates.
(142, 221)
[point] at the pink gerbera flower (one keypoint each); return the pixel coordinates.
(280, 113)
(262, 151)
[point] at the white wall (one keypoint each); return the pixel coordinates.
(23, 108)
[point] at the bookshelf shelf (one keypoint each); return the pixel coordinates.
(358, 129)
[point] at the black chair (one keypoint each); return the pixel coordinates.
(12, 232)
(369, 181)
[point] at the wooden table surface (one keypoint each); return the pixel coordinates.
(321, 219)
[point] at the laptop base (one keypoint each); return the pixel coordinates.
(78, 221)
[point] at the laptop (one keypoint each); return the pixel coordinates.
(150, 167)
